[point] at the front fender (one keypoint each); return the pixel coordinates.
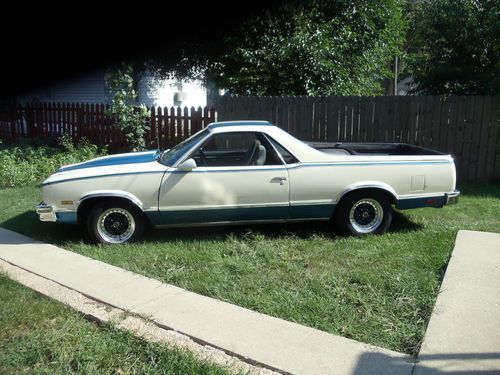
(111, 193)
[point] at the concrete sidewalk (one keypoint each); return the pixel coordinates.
(463, 335)
(257, 338)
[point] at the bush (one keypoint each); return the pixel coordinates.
(130, 116)
(27, 162)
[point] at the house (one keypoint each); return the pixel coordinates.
(91, 88)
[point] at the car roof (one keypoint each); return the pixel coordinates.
(221, 124)
(297, 147)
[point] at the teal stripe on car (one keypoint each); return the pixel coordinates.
(115, 160)
(351, 164)
(405, 204)
(198, 216)
(313, 211)
(230, 170)
(238, 123)
(67, 217)
(364, 164)
(100, 176)
(223, 214)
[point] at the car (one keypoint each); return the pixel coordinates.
(241, 172)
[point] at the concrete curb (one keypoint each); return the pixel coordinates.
(141, 328)
(253, 337)
(463, 335)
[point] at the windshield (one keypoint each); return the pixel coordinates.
(171, 156)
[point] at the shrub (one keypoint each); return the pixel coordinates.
(27, 162)
(131, 117)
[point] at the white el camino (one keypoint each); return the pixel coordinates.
(248, 172)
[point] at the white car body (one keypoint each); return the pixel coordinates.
(307, 189)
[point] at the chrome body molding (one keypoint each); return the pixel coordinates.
(242, 222)
(368, 185)
(452, 198)
(111, 194)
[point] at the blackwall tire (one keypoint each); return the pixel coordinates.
(362, 213)
(114, 223)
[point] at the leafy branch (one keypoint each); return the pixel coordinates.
(130, 116)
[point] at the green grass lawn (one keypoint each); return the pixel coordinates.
(379, 289)
(41, 336)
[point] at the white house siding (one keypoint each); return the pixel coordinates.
(91, 88)
(405, 85)
(164, 93)
(88, 88)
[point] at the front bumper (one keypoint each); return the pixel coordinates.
(452, 198)
(46, 212)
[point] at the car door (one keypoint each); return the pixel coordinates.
(239, 177)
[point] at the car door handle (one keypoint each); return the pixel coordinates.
(281, 180)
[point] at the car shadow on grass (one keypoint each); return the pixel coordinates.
(401, 223)
(28, 224)
(302, 230)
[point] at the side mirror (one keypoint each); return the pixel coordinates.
(187, 165)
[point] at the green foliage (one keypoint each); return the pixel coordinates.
(309, 47)
(317, 48)
(130, 117)
(454, 47)
(25, 163)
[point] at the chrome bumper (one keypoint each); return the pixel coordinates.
(46, 212)
(452, 198)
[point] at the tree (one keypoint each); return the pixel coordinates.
(308, 47)
(130, 117)
(454, 47)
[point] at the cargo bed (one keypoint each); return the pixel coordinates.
(354, 148)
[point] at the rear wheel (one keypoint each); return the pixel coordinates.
(363, 212)
(114, 223)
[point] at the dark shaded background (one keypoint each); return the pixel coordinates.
(46, 43)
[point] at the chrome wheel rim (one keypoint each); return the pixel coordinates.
(366, 215)
(116, 225)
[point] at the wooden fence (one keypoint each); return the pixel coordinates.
(468, 127)
(168, 126)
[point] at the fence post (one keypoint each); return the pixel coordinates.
(152, 127)
(211, 115)
(171, 124)
(79, 121)
(159, 125)
(205, 117)
(195, 120)
(178, 125)
(30, 128)
(13, 120)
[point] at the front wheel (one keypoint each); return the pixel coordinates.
(114, 223)
(362, 213)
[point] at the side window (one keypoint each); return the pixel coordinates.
(229, 142)
(236, 149)
(287, 157)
